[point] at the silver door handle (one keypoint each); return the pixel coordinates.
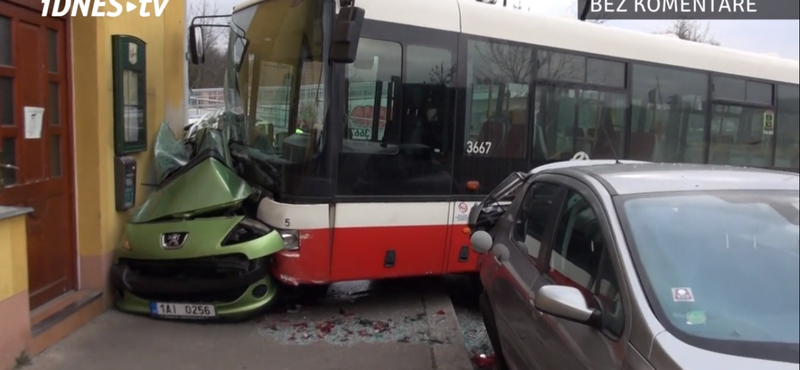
(9, 166)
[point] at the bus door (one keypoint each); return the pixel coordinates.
(394, 170)
(493, 135)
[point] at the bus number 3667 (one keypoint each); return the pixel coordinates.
(478, 147)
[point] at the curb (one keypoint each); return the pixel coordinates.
(452, 354)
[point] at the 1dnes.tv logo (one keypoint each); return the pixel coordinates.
(100, 8)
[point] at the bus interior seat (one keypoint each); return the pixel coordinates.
(391, 133)
(412, 129)
(514, 145)
(642, 145)
(493, 131)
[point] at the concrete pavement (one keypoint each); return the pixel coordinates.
(409, 325)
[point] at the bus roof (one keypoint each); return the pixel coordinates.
(480, 19)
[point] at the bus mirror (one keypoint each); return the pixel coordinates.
(196, 43)
(346, 32)
(196, 48)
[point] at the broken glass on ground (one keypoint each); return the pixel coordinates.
(349, 328)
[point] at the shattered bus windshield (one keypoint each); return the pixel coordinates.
(275, 80)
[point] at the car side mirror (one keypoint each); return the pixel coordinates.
(346, 33)
(568, 303)
(481, 241)
(472, 219)
(196, 47)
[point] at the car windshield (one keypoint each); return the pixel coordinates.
(721, 268)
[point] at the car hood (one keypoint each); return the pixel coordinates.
(205, 186)
(670, 353)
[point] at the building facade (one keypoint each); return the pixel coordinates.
(58, 219)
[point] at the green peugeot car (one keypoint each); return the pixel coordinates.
(195, 248)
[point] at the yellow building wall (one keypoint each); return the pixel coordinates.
(13, 256)
(14, 309)
(99, 224)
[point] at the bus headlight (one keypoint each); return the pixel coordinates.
(290, 240)
(246, 230)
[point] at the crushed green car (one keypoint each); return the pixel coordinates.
(195, 248)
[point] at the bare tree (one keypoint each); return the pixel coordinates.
(211, 73)
(517, 64)
(691, 30)
(505, 62)
(441, 75)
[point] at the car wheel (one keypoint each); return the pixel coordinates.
(491, 331)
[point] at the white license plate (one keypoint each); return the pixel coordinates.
(183, 310)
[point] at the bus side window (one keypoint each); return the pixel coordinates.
(369, 81)
(399, 121)
(427, 120)
(498, 80)
(738, 134)
(668, 116)
(787, 127)
(581, 107)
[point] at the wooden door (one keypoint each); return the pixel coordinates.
(33, 75)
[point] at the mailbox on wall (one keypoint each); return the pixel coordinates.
(124, 182)
(130, 94)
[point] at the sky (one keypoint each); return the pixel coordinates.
(781, 37)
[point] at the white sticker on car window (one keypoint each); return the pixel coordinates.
(682, 295)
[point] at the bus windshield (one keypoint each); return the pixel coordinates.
(275, 80)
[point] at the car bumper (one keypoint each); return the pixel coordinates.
(233, 297)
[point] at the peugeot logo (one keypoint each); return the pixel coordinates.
(173, 240)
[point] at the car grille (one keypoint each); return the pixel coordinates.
(215, 267)
(208, 297)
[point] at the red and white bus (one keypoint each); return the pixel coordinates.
(446, 98)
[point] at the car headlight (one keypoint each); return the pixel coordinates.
(290, 240)
(246, 230)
